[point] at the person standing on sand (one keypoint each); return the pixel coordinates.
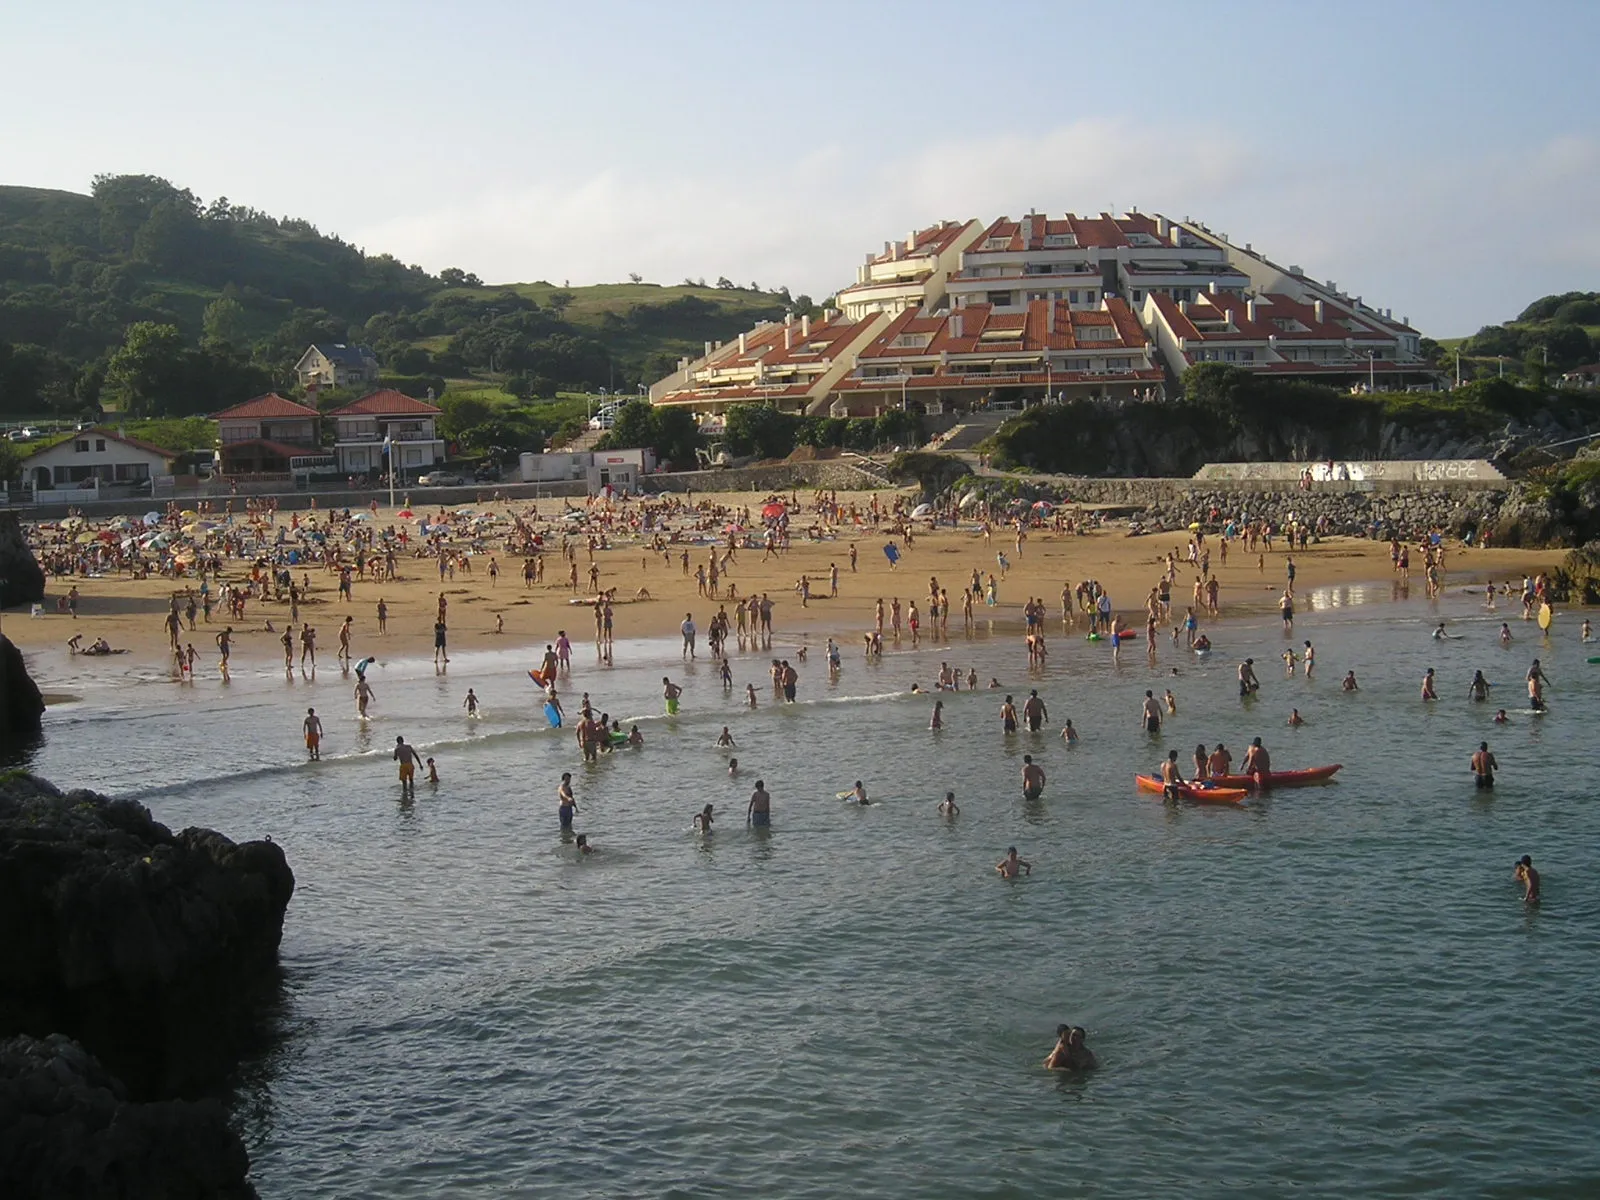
(688, 631)
(383, 615)
(440, 636)
(345, 631)
(224, 642)
(408, 760)
(313, 731)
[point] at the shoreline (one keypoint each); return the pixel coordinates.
(129, 613)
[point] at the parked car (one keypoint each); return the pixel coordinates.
(440, 479)
(605, 417)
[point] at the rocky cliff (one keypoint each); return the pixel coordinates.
(21, 578)
(21, 704)
(155, 950)
(69, 1132)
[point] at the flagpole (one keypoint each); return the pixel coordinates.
(388, 454)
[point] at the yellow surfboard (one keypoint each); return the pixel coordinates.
(1544, 615)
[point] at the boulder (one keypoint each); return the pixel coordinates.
(157, 951)
(21, 578)
(21, 705)
(69, 1132)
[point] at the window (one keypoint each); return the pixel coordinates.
(1054, 240)
(1091, 296)
(1229, 356)
(997, 243)
(1000, 299)
(1072, 296)
(100, 445)
(80, 447)
(1138, 296)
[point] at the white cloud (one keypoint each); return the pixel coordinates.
(1450, 241)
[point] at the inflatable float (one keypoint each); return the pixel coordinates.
(1201, 792)
(1302, 778)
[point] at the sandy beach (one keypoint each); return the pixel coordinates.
(129, 613)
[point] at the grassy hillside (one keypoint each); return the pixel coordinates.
(142, 297)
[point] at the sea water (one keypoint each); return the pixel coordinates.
(1332, 991)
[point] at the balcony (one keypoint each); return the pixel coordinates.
(397, 435)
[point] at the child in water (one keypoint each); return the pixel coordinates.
(433, 772)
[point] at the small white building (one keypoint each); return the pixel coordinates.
(619, 469)
(407, 424)
(100, 461)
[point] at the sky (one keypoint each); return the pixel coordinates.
(1439, 159)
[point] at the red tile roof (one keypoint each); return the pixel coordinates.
(268, 406)
(282, 449)
(1033, 323)
(387, 403)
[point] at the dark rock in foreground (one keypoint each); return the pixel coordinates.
(21, 577)
(68, 1132)
(21, 705)
(155, 951)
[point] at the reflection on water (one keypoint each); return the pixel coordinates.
(851, 1001)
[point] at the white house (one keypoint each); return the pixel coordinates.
(408, 424)
(334, 364)
(619, 469)
(100, 460)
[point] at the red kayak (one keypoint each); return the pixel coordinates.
(1301, 778)
(1201, 792)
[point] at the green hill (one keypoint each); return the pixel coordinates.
(141, 296)
(1553, 334)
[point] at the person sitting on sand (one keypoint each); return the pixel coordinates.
(1070, 1053)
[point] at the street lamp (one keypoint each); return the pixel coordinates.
(1372, 371)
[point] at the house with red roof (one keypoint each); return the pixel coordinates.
(909, 274)
(268, 435)
(387, 426)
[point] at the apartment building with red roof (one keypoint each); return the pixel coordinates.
(791, 364)
(407, 425)
(267, 435)
(979, 353)
(909, 274)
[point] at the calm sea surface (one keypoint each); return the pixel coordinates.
(1334, 991)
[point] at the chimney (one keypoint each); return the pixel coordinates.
(1050, 322)
(1316, 310)
(788, 337)
(1250, 310)
(894, 251)
(887, 246)
(1248, 248)
(861, 274)
(955, 325)
(1163, 226)
(1177, 236)
(1027, 231)
(708, 350)
(805, 326)
(911, 241)
(743, 345)
(788, 316)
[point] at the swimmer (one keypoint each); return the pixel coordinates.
(1034, 711)
(948, 807)
(635, 738)
(1008, 716)
(1070, 1053)
(1069, 735)
(364, 696)
(1349, 684)
(1528, 878)
(1150, 713)
(1295, 719)
(670, 693)
(1587, 630)
(750, 695)
(433, 772)
(702, 820)
(858, 794)
(566, 803)
(1171, 778)
(994, 684)
(733, 767)
(760, 811)
(1505, 634)
(1256, 759)
(1011, 865)
(727, 676)
(583, 844)
(1171, 702)
(1484, 766)
(1219, 762)
(1439, 634)
(471, 703)
(407, 758)
(1032, 778)
(1500, 718)
(1478, 689)
(1248, 682)
(313, 730)
(1428, 690)
(726, 738)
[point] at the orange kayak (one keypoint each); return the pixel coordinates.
(1301, 778)
(1203, 792)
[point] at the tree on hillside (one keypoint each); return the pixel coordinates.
(10, 462)
(456, 277)
(146, 369)
(461, 411)
(559, 301)
(760, 429)
(635, 277)
(224, 323)
(126, 202)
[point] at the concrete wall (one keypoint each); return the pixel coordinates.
(1404, 471)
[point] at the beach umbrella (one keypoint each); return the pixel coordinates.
(405, 514)
(773, 510)
(1194, 526)
(86, 538)
(72, 523)
(189, 514)
(970, 499)
(731, 527)
(1043, 505)
(922, 510)
(152, 518)
(362, 516)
